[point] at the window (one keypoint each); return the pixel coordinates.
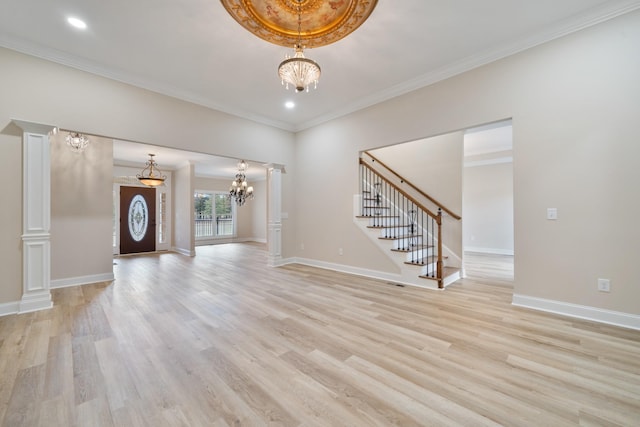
(214, 215)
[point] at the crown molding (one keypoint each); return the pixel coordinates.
(589, 18)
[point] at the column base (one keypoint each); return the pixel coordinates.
(35, 301)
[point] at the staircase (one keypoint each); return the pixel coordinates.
(408, 231)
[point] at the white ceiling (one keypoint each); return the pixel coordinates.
(193, 50)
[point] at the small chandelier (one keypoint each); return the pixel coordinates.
(151, 175)
(299, 71)
(240, 191)
(77, 142)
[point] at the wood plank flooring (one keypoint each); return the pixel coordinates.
(222, 340)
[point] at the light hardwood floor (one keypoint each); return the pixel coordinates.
(222, 340)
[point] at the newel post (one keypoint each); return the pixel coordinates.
(439, 263)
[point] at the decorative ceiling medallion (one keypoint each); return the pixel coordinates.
(323, 22)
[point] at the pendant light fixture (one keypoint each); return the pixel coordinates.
(151, 175)
(240, 190)
(77, 142)
(298, 71)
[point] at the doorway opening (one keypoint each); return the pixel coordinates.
(487, 202)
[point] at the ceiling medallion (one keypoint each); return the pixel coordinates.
(276, 21)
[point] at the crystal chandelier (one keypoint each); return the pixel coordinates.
(77, 142)
(240, 191)
(151, 175)
(299, 71)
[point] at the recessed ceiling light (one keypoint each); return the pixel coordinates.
(77, 23)
(289, 104)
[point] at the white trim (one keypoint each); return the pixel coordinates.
(373, 274)
(205, 241)
(221, 240)
(35, 301)
(625, 320)
(181, 251)
(567, 26)
(488, 162)
(82, 280)
(493, 251)
(587, 19)
(8, 308)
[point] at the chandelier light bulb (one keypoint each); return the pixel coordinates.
(77, 142)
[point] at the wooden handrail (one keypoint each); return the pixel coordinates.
(404, 193)
(402, 179)
(423, 209)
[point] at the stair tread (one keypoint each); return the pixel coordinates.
(387, 226)
(377, 216)
(424, 261)
(446, 272)
(413, 248)
(404, 236)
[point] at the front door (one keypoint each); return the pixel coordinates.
(137, 220)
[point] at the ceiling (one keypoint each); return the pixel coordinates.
(194, 50)
(126, 153)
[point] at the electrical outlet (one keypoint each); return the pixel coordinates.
(302, 246)
(340, 252)
(604, 285)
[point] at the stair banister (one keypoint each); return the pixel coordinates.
(401, 191)
(370, 180)
(403, 180)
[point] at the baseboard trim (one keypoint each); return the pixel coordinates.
(373, 274)
(8, 308)
(616, 318)
(185, 252)
(82, 280)
(492, 251)
(223, 240)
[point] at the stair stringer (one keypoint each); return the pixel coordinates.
(409, 274)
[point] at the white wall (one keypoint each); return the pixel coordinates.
(183, 209)
(81, 212)
(574, 104)
(488, 208)
(32, 89)
(433, 165)
(11, 214)
(259, 212)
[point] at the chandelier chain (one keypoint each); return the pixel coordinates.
(298, 71)
(299, 23)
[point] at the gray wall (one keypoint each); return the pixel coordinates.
(81, 209)
(488, 208)
(183, 189)
(574, 104)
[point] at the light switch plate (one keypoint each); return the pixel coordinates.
(552, 213)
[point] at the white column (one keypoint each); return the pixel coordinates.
(36, 222)
(274, 213)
